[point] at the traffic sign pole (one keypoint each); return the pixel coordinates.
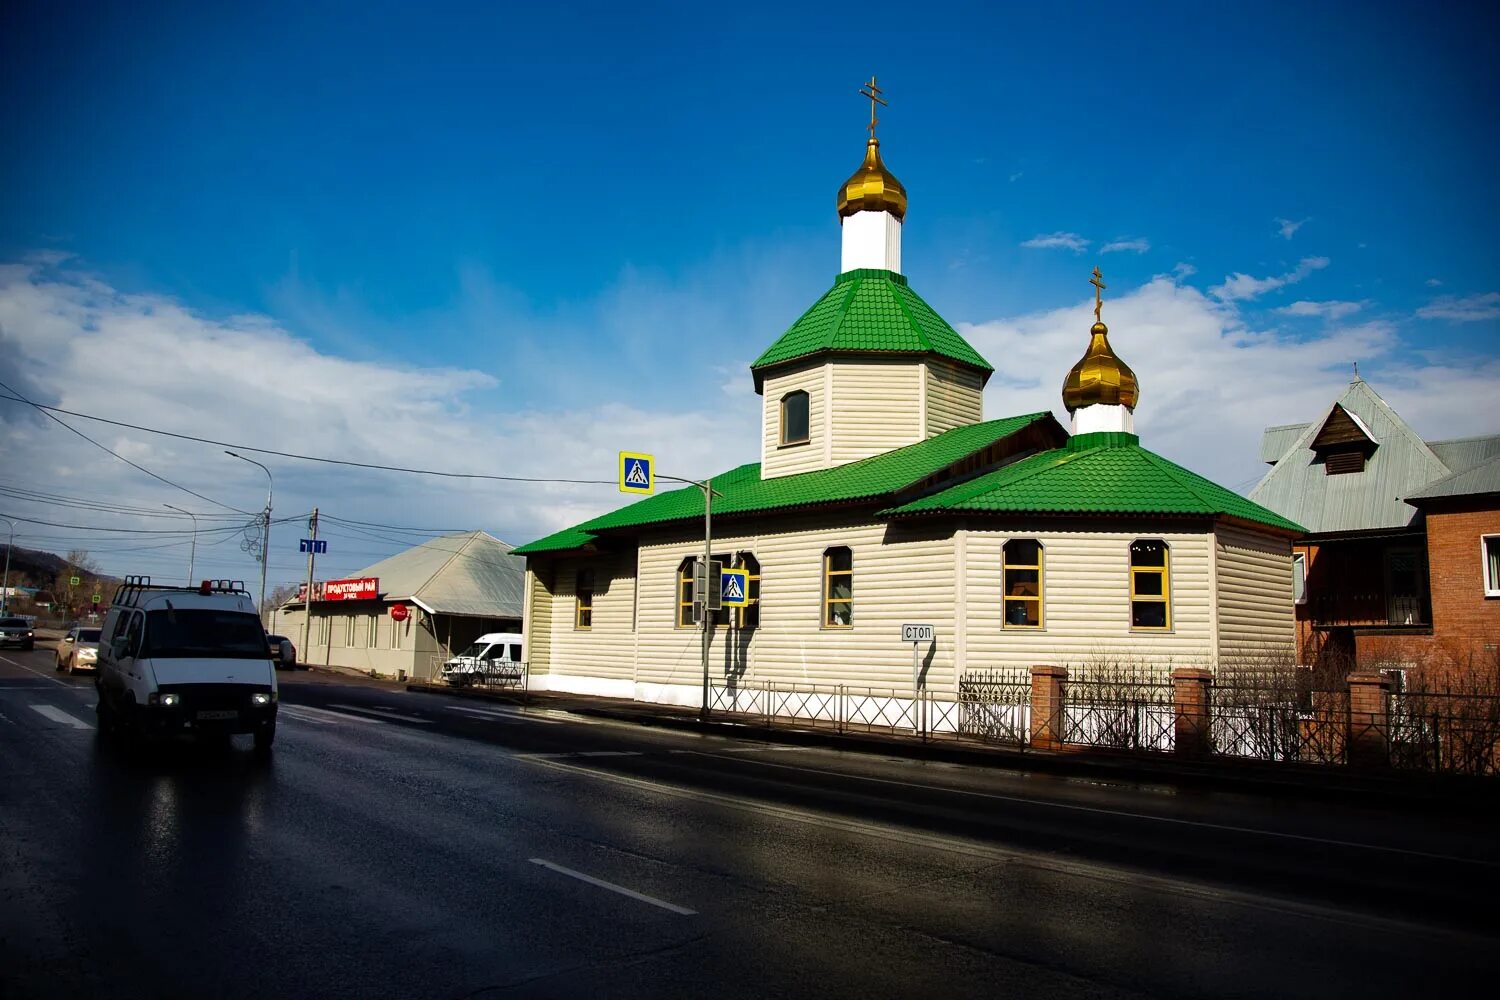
(312, 553)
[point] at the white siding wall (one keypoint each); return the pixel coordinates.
(954, 396)
(875, 406)
(1086, 600)
(779, 460)
(608, 649)
(538, 623)
(1257, 618)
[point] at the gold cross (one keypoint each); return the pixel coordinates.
(1099, 287)
(873, 93)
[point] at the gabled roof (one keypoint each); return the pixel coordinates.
(1100, 473)
(870, 311)
(1463, 454)
(472, 573)
(1298, 487)
(1479, 480)
(1276, 440)
(744, 491)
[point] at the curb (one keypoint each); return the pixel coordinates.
(1446, 793)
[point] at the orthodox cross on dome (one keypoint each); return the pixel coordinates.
(873, 93)
(1099, 287)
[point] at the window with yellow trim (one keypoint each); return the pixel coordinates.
(749, 615)
(794, 417)
(1150, 584)
(685, 594)
(583, 614)
(1021, 562)
(838, 587)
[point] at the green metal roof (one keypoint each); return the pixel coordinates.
(871, 310)
(1102, 473)
(745, 492)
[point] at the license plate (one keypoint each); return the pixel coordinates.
(218, 715)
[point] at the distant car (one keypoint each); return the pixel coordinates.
(17, 632)
(286, 653)
(78, 650)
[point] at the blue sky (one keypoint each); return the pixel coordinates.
(542, 212)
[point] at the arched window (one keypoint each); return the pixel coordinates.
(794, 418)
(1150, 584)
(583, 615)
(685, 617)
(838, 587)
(1022, 572)
(749, 615)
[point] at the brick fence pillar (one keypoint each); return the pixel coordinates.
(1047, 706)
(1192, 688)
(1367, 744)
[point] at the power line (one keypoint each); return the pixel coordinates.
(81, 503)
(45, 410)
(49, 410)
(143, 531)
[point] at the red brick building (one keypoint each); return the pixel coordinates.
(1401, 564)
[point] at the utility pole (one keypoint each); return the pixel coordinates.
(265, 536)
(5, 599)
(708, 547)
(312, 553)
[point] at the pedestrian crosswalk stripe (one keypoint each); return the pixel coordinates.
(58, 715)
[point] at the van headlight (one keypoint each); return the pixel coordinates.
(165, 700)
(260, 699)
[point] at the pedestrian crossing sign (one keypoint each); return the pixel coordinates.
(637, 473)
(734, 588)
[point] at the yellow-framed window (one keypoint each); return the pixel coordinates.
(795, 417)
(1021, 572)
(583, 614)
(685, 593)
(749, 615)
(838, 587)
(1150, 584)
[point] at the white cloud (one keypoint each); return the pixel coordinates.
(146, 359)
(1239, 286)
(1017, 176)
(1465, 309)
(1135, 245)
(1066, 241)
(1184, 270)
(1434, 283)
(1287, 228)
(1211, 381)
(1327, 310)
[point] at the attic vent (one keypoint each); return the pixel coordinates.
(1338, 463)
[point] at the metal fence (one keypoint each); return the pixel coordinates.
(1279, 722)
(1118, 714)
(995, 705)
(493, 674)
(1444, 731)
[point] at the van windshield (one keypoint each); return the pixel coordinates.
(205, 632)
(473, 650)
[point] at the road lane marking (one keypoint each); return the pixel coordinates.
(54, 680)
(639, 896)
(336, 716)
(291, 713)
(58, 715)
(503, 715)
(1126, 814)
(5, 718)
(388, 713)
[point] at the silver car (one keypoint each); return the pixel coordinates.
(78, 650)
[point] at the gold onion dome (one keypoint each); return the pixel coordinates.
(873, 188)
(1100, 376)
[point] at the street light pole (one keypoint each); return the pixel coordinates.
(5, 600)
(193, 551)
(265, 535)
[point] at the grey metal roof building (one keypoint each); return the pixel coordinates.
(466, 574)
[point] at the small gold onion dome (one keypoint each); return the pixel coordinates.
(873, 188)
(1100, 376)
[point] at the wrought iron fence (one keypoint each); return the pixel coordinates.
(995, 705)
(1118, 714)
(1444, 731)
(842, 707)
(1280, 722)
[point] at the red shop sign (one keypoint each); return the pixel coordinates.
(365, 588)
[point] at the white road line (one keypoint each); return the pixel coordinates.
(23, 666)
(58, 715)
(639, 896)
(501, 715)
(336, 716)
(607, 753)
(4, 718)
(290, 713)
(1126, 814)
(388, 713)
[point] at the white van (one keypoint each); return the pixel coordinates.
(186, 661)
(492, 658)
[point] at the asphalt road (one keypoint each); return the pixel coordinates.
(413, 845)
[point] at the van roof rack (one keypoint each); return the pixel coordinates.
(129, 593)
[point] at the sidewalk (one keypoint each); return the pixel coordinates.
(1437, 792)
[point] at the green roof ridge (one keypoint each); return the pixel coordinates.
(911, 320)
